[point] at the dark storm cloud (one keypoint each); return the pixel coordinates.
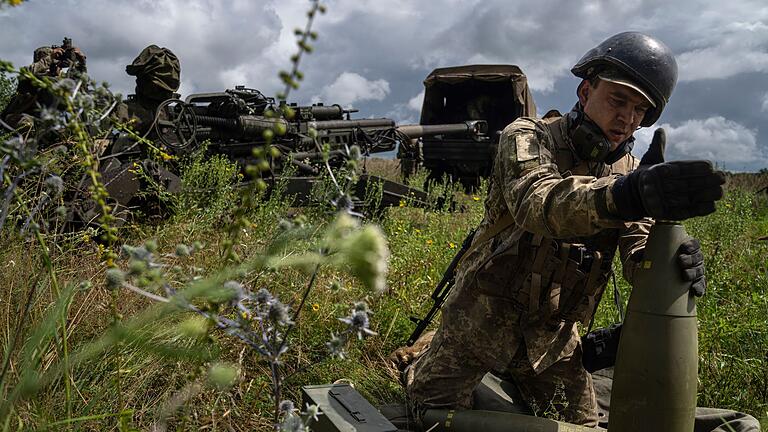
(374, 54)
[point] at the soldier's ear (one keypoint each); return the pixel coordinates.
(583, 92)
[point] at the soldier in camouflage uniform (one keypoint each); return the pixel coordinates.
(158, 76)
(48, 61)
(562, 198)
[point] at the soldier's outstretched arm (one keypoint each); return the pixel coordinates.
(538, 197)
(543, 202)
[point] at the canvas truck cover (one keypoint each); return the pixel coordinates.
(442, 82)
(497, 94)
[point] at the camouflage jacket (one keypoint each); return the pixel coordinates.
(553, 259)
(136, 112)
(27, 96)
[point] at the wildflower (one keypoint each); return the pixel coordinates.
(182, 250)
(293, 423)
(344, 203)
(452, 245)
(358, 322)
(151, 245)
(475, 198)
(336, 346)
(402, 203)
(263, 296)
(67, 85)
(287, 406)
(361, 306)
(137, 267)
(54, 185)
(141, 253)
(429, 241)
(312, 412)
(284, 225)
(236, 289)
(315, 307)
(279, 313)
(195, 327)
(354, 153)
(115, 278)
(49, 115)
(222, 376)
(367, 254)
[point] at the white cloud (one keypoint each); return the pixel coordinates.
(725, 142)
(415, 102)
(351, 87)
(764, 107)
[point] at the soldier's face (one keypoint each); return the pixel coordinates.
(617, 109)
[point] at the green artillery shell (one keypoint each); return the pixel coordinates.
(654, 386)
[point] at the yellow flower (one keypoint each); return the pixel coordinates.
(15, 2)
(452, 245)
(402, 203)
(476, 198)
(315, 307)
(429, 242)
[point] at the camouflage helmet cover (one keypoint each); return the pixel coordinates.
(41, 53)
(157, 71)
(640, 58)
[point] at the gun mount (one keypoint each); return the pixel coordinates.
(236, 121)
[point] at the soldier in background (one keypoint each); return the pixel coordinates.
(48, 61)
(158, 76)
(564, 194)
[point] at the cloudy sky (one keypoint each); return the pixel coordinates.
(374, 54)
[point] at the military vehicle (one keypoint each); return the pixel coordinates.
(497, 94)
(234, 123)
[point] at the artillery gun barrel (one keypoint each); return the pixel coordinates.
(247, 125)
(326, 112)
(342, 124)
(316, 156)
(474, 127)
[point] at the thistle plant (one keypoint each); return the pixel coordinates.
(234, 301)
(254, 315)
(79, 102)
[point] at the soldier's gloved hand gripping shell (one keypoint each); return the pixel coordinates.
(667, 190)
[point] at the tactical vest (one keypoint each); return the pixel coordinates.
(554, 280)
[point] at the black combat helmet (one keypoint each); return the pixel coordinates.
(642, 59)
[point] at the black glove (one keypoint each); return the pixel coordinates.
(691, 262)
(670, 191)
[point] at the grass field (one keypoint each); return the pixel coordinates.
(150, 387)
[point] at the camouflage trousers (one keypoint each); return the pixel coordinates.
(479, 334)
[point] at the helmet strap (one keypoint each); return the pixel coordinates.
(589, 141)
